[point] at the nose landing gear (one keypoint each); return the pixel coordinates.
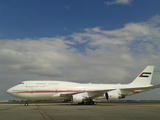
(26, 103)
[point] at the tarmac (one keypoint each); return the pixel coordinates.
(65, 111)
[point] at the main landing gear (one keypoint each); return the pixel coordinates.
(88, 103)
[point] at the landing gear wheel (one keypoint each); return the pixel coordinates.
(94, 103)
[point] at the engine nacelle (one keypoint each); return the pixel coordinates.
(77, 98)
(111, 96)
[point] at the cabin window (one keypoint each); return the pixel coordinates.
(53, 83)
(40, 83)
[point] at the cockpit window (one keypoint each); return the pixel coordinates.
(21, 83)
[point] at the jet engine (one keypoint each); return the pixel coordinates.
(111, 96)
(114, 95)
(77, 98)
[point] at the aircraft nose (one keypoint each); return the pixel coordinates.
(9, 91)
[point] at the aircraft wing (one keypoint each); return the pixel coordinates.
(155, 86)
(98, 93)
(142, 88)
(125, 91)
(90, 94)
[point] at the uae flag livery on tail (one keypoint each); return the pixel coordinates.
(145, 74)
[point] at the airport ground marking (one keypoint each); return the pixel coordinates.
(43, 113)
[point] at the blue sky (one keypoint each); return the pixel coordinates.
(91, 41)
(40, 18)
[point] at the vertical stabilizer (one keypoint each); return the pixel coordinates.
(145, 77)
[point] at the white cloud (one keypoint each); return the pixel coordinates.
(65, 28)
(122, 2)
(66, 7)
(108, 56)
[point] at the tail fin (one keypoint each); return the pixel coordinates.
(145, 77)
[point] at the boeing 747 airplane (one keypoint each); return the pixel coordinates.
(82, 93)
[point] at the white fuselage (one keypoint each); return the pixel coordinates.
(54, 90)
